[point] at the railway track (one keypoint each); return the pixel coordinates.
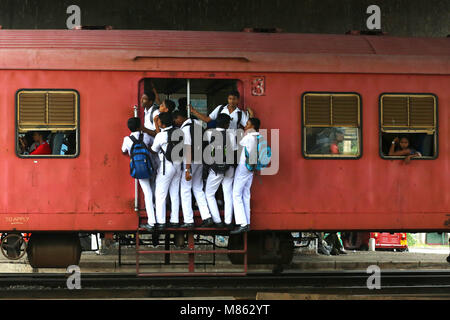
(425, 284)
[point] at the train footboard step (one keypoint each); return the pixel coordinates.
(184, 242)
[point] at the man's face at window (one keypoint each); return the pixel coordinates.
(37, 137)
(339, 137)
(233, 101)
(145, 102)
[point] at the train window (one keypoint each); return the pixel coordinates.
(47, 123)
(410, 116)
(331, 125)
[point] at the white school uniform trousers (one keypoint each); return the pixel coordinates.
(214, 180)
(243, 179)
(195, 184)
(167, 181)
(144, 183)
(149, 124)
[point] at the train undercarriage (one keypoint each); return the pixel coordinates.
(60, 250)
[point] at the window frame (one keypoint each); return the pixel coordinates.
(77, 130)
(303, 127)
(400, 130)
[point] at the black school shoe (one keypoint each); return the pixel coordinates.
(229, 226)
(147, 227)
(160, 226)
(174, 225)
(187, 226)
(207, 223)
(220, 225)
(241, 229)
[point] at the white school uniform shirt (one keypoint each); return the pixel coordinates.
(187, 130)
(234, 116)
(160, 142)
(149, 116)
(249, 141)
(231, 137)
(128, 143)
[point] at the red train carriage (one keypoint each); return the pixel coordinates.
(337, 100)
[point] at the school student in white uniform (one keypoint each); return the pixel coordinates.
(243, 177)
(168, 175)
(216, 177)
(192, 176)
(151, 114)
(134, 125)
(238, 116)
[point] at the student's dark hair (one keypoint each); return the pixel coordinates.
(134, 124)
(182, 103)
(234, 93)
(179, 113)
(223, 120)
(151, 95)
(256, 123)
(170, 105)
(403, 137)
(166, 118)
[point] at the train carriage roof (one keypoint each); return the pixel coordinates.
(146, 50)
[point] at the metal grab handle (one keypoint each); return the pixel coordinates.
(188, 93)
(136, 191)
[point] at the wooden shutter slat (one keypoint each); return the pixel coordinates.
(317, 110)
(395, 111)
(421, 112)
(61, 109)
(31, 108)
(345, 111)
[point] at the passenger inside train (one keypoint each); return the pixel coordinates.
(33, 143)
(401, 147)
(332, 141)
(421, 143)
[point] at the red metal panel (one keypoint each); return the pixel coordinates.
(95, 191)
(219, 51)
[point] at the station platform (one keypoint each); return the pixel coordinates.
(108, 262)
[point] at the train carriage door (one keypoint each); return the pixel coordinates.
(203, 94)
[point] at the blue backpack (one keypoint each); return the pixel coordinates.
(264, 153)
(140, 164)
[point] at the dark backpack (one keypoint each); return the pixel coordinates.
(239, 113)
(220, 168)
(197, 147)
(171, 143)
(140, 164)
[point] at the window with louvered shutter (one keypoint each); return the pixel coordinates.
(47, 110)
(331, 124)
(408, 111)
(53, 114)
(412, 116)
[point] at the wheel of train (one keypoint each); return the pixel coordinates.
(263, 248)
(13, 246)
(54, 250)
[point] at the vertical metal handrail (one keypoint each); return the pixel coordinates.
(188, 93)
(136, 193)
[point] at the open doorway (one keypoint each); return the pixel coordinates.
(204, 94)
